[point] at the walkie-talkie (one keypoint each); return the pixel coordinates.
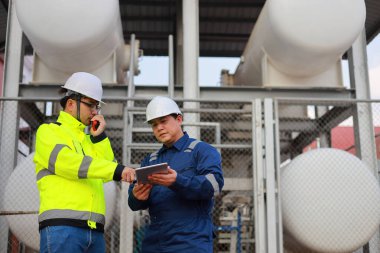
(95, 125)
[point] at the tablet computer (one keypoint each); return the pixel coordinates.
(142, 173)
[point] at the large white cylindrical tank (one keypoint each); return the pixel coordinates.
(21, 195)
(330, 202)
(72, 35)
(300, 38)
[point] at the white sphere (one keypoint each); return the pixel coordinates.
(330, 201)
(21, 194)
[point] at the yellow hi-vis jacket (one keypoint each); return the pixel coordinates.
(71, 167)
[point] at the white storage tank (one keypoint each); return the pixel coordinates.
(330, 202)
(71, 36)
(300, 43)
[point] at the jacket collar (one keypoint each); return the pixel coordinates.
(179, 144)
(69, 121)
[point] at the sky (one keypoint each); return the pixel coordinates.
(210, 68)
(373, 55)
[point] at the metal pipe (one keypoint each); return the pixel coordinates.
(363, 121)
(126, 215)
(131, 75)
(258, 177)
(171, 67)
(271, 218)
(190, 11)
(10, 109)
(277, 157)
(232, 146)
(314, 101)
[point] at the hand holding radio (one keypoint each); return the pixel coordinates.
(97, 125)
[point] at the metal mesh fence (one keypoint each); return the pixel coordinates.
(303, 126)
(306, 125)
(225, 125)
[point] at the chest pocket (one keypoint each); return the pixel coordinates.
(184, 161)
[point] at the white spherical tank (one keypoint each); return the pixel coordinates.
(330, 201)
(21, 194)
(72, 35)
(300, 38)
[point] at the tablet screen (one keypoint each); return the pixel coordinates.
(142, 173)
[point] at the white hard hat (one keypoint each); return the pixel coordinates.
(85, 84)
(160, 107)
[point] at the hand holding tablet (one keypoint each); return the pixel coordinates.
(142, 173)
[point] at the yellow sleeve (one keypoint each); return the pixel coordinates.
(55, 152)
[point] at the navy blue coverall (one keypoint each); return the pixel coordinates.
(181, 215)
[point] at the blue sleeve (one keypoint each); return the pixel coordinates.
(208, 181)
(134, 203)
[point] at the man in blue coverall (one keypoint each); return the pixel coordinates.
(180, 203)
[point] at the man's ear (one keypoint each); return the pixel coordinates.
(70, 105)
(179, 118)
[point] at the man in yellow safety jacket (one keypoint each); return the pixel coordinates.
(71, 167)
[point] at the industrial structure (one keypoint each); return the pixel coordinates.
(288, 188)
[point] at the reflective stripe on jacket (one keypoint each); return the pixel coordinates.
(71, 167)
(180, 215)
